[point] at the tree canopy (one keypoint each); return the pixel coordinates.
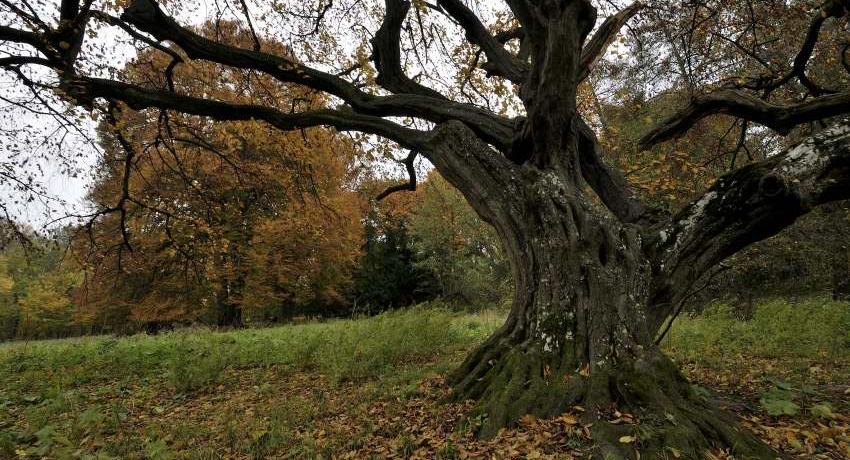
(494, 95)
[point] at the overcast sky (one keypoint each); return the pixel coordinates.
(64, 191)
(65, 182)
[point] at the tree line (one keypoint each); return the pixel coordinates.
(239, 223)
(424, 246)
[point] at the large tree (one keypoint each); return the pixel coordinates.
(596, 270)
(218, 219)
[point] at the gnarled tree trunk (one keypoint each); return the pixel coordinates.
(579, 332)
(597, 274)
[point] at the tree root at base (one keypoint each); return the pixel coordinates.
(673, 421)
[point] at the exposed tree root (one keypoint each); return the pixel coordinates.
(673, 421)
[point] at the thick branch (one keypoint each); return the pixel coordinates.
(487, 180)
(147, 16)
(747, 206)
(410, 185)
(386, 52)
(781, 118)
(499, 60)
(23, 60)
(830, 9)
(608, 183)
(604, 36)
(87, 89)
(69, 10)
(20, 36)
(805, 54)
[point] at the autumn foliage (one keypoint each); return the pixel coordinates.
(218, 220)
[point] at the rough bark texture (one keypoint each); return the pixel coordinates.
(578, 332)
(592, 291)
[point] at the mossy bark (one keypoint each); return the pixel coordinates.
(581, 328)
(578, 335)
(672, 419)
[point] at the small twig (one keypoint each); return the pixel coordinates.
(687, 297)
(250, 26)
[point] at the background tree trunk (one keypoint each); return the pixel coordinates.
(841, 274)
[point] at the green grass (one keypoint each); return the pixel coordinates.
(341, 349)
(65, 391)
(281, 391)
(813, 328)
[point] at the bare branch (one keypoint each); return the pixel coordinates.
(85, 90)
(499, 61)
(410, 185)
(602, 39)
(147, 16)
(781, 118)
(386, 53)
(250, 25)
(21, 36)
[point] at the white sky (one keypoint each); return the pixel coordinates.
(67, 193)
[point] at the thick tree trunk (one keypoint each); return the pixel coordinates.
(577, 335)
(578, 332)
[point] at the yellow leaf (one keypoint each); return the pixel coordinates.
(569, 419)
(627, 439)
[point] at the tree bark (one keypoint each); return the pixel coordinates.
(578, 333)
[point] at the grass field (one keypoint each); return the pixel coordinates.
(372, 388)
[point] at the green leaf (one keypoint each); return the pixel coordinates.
(822, 410)
(778, 407)
(784, 386)
(700, 391)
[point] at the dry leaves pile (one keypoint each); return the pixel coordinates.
(810, 434)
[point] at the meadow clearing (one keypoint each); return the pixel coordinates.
(372, 388)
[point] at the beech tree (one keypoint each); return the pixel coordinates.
(459, 249)
(220, 222)
(596, 270)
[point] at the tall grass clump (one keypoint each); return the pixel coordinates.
(813, 328)
(369, 347)
(194, 365)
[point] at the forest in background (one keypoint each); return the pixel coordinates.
(237, 224)
(238, 241)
